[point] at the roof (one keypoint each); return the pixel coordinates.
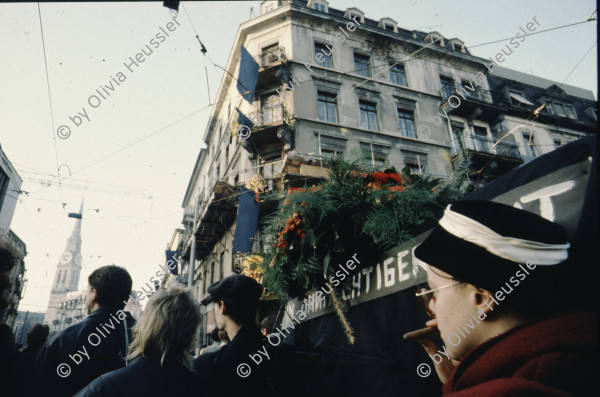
(499, 71)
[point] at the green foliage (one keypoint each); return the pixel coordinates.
(349, 213)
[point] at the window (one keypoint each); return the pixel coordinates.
(355, 16)
(517, 99)
(466, 88)
(212, 272)
(374, 154)
(221, 265)
(361, 65)
(328, 145)
(319, 7)
(435, 37)
(447, 84)
(327, 107)
(457, 127)
(324, 51)
(270, 112)
(481, 140)
(557, 142)
(397, 75)
(406, 123)
(3, 186)
(270, 54)
(559, 109)
(570, 112)
(368, 115)
(458, 46)
(416, 162)
(529, 144)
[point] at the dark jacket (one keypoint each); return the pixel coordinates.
(144, 377)
(557, 356)
(84, 351)
(219, 371)
(30, 352)
(16, 377)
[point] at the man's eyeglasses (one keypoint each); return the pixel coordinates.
(425, 295)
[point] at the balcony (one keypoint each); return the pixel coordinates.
(269, 117)
(478, 94)
(273, 127)
(216, 214)
(271, 57)
(485, 145)
(498, 159)
(469, 103)
(269, 62)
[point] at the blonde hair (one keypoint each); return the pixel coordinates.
(167, 327)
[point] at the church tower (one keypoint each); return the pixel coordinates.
(66, 278)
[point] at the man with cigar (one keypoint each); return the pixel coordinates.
(509, 326)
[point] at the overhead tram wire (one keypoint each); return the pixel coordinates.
(50, 99)
(48, 179)
(132, 144)
(531, 34)
(205, 51)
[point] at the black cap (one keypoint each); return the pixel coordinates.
(477, 264)
(237, 287)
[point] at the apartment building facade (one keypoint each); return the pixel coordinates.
(10, 188)
(333, 81)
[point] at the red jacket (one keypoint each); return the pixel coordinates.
(557, 356)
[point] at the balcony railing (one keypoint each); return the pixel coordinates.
(271, 57)
(482, 144)
(478, 94)
(270, 116)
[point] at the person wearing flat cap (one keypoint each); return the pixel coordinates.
(509, 326)
(235, 301)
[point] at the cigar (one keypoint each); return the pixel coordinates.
(421, 333)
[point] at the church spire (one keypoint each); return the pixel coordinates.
(66, 277)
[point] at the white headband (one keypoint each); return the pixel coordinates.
(511, 248)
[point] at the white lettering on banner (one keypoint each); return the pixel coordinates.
(543, 195)
(389, 279)
(402, 276)
(367, 272)
(370, 282)
(356, 285)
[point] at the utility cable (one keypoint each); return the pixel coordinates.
(531, 34)
(50, 99)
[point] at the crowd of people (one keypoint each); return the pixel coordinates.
(528, 340)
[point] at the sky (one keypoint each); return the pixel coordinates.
(145, 132)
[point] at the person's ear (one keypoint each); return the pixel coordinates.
(222, 307)
(95, 296)
(484, 300)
